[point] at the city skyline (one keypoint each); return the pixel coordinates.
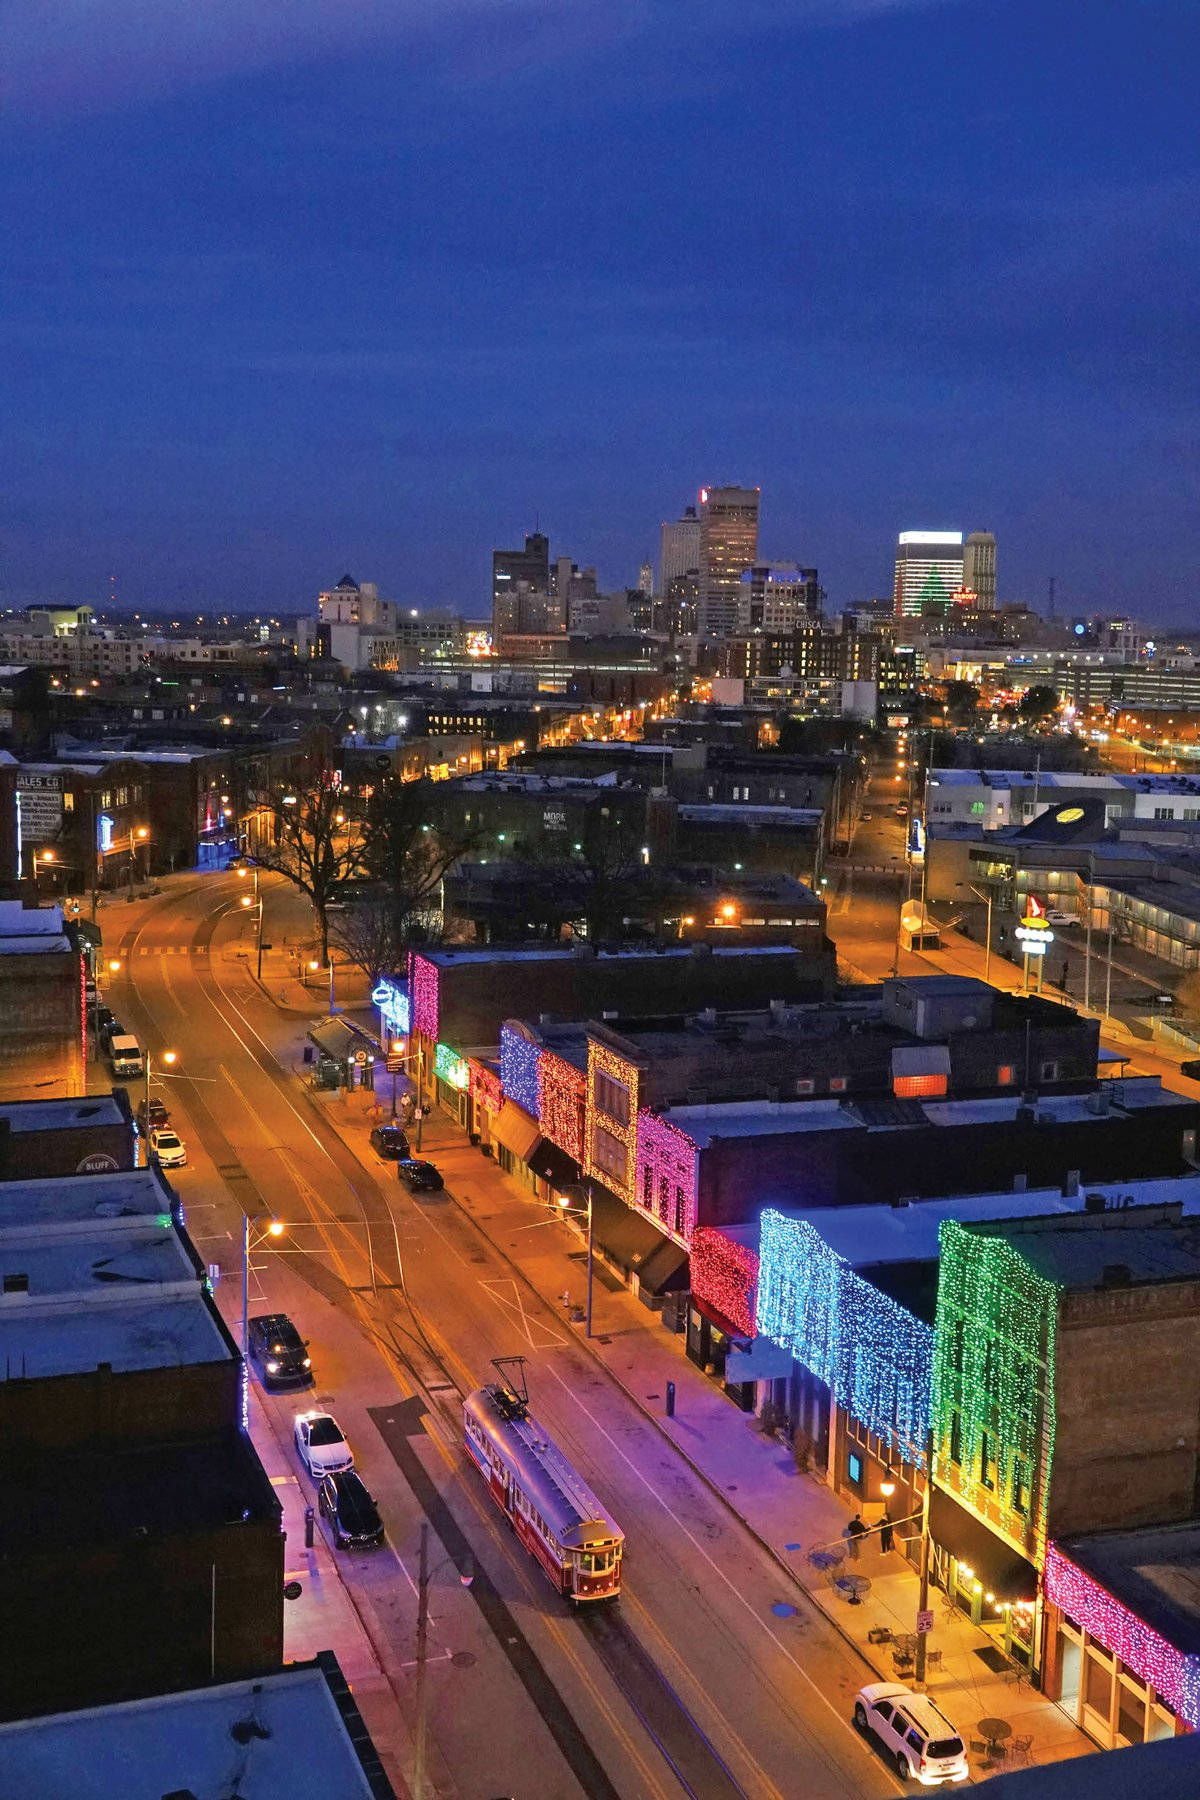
(260, 335)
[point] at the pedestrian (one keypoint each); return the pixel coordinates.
(885, 1531)
(854, 1531)
(1066, 970)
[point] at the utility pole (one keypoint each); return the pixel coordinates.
(1087, 944)
(418, 1784)
(1112, 919)
(588, 1325)
(923, 1586)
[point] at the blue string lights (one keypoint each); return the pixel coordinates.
(520, 1069)
(872, 1354)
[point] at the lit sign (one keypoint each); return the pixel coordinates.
(1034, 938)
(104, 833)
(450, 1067)
(392, 1002)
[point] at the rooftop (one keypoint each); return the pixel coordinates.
(60, 1200)
(451, 957)
(1154, 1572)
(1081, 1253)
(187, 1743)
(714, 813)
(759, 1118)
(26, 930)
(61, 1115)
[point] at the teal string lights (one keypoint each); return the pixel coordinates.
(993, 1386)
(873, 1355)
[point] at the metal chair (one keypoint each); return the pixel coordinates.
(1022, 1747)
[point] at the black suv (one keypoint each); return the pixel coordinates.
(279, 1351)
(390, 1141)
(350, 1510)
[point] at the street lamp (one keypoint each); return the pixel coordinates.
(987, 898)
(424, 1577)
(569, 1211)
(275, 1229)
(256, 900)
(168, 1058)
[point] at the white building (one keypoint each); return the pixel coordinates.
(929, 571)
(679, 548)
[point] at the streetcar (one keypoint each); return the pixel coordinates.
(553, 1512)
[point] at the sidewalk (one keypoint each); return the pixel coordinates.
(754, 1476)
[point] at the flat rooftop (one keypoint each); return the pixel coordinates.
(452, 958)
(61, 1115)
(759, 1118)
(82, 1200)
(1154, 1572)
(1076, 1255)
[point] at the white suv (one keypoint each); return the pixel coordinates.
(920, 1740)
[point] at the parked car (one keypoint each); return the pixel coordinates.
(279, 1351)
(110, 1028)
(1056, 916)
(1191, 1068)
(418, 1177)
(351, 1512)
(902, 812)
(919, 1739)
(101, 1016)
(152, 1118)
(321, 1444)
(167, 1148)
(390, 1142)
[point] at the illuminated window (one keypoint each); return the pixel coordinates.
(806, 1085)
(854, 1469)
(914, 1087)
(1006, 1074)
(838, 1084)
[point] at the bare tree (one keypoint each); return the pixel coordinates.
(407, 848)
(317, 841)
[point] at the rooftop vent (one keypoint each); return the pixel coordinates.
(16, 1284)
(1117, 1275)
(1094, 1203)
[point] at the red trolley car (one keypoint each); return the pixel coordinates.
(553, 1512)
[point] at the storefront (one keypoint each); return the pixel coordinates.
(985, 1577)
(341, 1055)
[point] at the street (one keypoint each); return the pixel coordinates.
(694, 1684)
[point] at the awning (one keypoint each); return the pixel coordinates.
(920, 1059)
(626, 1236)
(340, 1039)
(513, 1128)
(1002, 1570)
(665, 1270)
(553, 1164)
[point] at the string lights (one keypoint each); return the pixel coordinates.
(724, 1274)
(423, 987)
(563, 1103)
(667, 1166)
(451, 1068)
(873, 1355)
(486, 1090)
(993, 1388)
(603, 1061)
(520, 1068)
(1168, 1670)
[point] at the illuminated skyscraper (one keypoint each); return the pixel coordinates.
(679, 552)
(929, 571)
(728, 545)
(979, 570)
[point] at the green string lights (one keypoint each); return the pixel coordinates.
(993, 1381)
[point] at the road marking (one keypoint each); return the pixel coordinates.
(281, 1480)
(515, 1305)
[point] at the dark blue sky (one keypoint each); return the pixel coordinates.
(368, 284)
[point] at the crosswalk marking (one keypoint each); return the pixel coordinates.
(171, 950)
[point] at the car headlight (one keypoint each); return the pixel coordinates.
(308, 1362)
(272, 1368)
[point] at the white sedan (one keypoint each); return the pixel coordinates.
(167, 1148)
(321, 1445)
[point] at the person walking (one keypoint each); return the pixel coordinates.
(885, 1532)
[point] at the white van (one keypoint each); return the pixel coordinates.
(125, 1058)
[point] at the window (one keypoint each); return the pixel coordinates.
(68, 802)
(647, 1187)
(611, 1098)
(854, 1469)
(911, 1087)
(680, 1215)
(955, 1439)
(986, 1467)
(1048, 1071)
(1164, 812)
(1006, 1074)
(838, 1084)
(664, 1195)
(1019, 1490)
(806, 1085)
(609, 1155)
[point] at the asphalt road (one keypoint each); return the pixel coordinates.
(694, 1686)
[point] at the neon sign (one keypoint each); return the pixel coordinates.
(392, 1002)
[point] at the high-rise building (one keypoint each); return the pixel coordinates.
(929, 571)
(777, 597)
(728, 545)
(979, 571)
(679, 549)
(527, 570)
(646, 579)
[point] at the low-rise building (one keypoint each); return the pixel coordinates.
(43, 1009)
(89, 1135)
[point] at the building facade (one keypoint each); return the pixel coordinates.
(728, 545)
(929, 572)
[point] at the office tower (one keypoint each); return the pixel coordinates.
(527, 569)
(679, 549)
(777, 597)
(646, 579)
(929, 572)
(979, 570)
(678, 613)
(728, 544)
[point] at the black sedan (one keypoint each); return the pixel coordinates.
(390, 1142)
(419, 1177)
(352, 1514)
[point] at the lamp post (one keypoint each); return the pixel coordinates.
(275, 1229)
(256, 900)
(424, 1576)
(168, 1057)
(923, 1583)
(573, 1212)
(987, 898)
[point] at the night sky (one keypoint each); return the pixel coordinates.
(317, 285)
